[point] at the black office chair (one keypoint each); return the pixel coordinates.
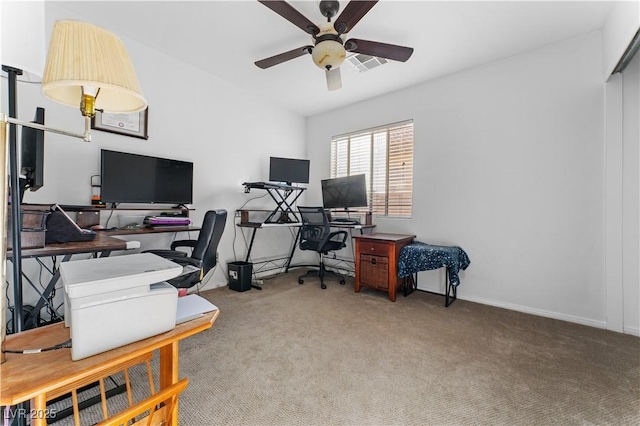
(203, 255)
(316, 235)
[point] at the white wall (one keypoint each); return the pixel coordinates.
(509, 166)
(227, 132)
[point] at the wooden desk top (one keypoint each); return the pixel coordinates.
(152, 230)
(102, 242)
(24, 376)
(378, 236)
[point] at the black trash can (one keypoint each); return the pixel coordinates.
(240, 275)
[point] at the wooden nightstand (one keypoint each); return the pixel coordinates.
(377, 261)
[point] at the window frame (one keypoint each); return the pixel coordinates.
(342, 159)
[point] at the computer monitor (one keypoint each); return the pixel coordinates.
(32, 155)
(344, 192)
(134, 178)
(289, 170)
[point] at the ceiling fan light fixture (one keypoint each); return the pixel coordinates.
(328, 54)
(329, 49)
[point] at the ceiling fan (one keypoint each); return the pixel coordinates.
(329, 50)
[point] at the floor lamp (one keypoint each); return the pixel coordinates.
(88, 67)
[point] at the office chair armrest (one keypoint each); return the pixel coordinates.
(335, 234)
(182, 261)
(183, 243)
(167, 254)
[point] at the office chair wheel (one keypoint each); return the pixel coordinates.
(300, 281)
(342, 281)
(323, 286)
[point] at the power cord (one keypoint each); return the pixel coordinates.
(106, 225)
(64, 345)
(233, 246)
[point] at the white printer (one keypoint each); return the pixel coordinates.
(114, 301)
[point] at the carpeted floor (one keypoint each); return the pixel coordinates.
(298, 355)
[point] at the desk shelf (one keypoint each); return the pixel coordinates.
(153, 230)
(74, 208)
(285, 196)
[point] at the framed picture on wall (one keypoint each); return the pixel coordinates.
(134, 124)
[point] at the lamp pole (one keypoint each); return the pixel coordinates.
(16, 216)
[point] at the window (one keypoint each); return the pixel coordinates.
(385, 156)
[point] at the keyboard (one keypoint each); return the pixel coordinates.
(344, 221)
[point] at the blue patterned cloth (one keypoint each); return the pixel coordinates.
(419, 256)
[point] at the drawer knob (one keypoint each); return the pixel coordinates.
(373, 261)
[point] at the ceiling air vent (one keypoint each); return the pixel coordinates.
(364, 63)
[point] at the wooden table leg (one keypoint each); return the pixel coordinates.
(39, 410)
(169, 371)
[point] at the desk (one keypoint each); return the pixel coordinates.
(287, 265)
(254, 226)
(103, 243)
(33, 376)
(102, 246)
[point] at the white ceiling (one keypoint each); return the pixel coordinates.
(225, 38)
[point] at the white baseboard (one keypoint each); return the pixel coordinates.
(525, 309)
(533, 311)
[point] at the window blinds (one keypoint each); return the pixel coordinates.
(385, 155)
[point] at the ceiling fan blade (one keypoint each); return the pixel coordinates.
(334, 80)
(352, 13)
(292, 15)
(381, 50)
(282, 57)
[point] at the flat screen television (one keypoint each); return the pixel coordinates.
(289, 170)
(344, 192)
(32, 155)
(134, 178)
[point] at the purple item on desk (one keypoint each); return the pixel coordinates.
(167, 221)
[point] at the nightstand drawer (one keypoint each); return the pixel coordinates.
(374, 271)
(378, 249)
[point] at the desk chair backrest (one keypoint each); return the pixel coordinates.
(203, 250)
(315, 231)
(316, 235)
(210, 233)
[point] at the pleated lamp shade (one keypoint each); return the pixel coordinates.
(84, 55)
